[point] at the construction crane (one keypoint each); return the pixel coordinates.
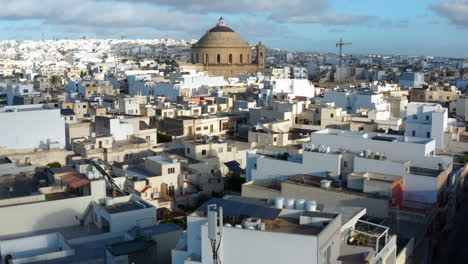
(340, 46)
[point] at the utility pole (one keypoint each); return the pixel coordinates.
(340, 46)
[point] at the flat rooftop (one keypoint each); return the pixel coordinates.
(372, 136)
(314, 181)
(122, 207)
(162, 159)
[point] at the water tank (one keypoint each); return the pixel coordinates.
(311, 205)
(109, 201)
(90, 175)
(228, 225)
(251, 228)
(300, 204)
(325, 184)
(238, 226)
(279, 202)
(290, 203)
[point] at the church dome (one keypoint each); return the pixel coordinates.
(221, 36)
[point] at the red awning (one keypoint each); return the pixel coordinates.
(75, 180)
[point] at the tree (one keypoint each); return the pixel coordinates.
(163, 138)
(54, 165)
(55, 80)
(234, 181)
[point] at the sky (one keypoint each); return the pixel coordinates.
(409, 27)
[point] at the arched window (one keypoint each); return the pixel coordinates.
(261, 54)
(197, 57)
(242, 58)
(230, 58)
(218, 58)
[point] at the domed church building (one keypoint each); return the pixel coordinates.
(222, 52)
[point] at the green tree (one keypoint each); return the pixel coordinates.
(54, 165)
(55, 80)
(234, 181)
(163, 138)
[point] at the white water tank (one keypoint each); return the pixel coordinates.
(238, 226)
(326, 184)
(109, 201)
(300, 203)
(228, 225)
(279, 202)
(290, 203)
(311, 205)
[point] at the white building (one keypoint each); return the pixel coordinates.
(289, 88)
(335, 154)
(290, 233)
(20, 90)
(186, 85)
(462, 107)
(426, 120)
(351, 101)
(411, 80)
(32, 126)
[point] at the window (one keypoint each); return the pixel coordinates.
(203, 152)
(430, 96)
(360, 129)
(332, 115)
(428, 134)
(427, 117)
(225, 126)
(274, 139)
(448, 97)
(188, 150)
(415, 117)
(220, 150)
(197, 58)
(241, 58)
(171, 190)
(205, 128)
(218, 58)
(198, 128)
(230, 58)
(345, 164)
(413, 133)
(171, 170)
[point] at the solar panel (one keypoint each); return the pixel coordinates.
(235, 208)
(234, 166)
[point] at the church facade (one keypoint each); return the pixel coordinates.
(222, 52)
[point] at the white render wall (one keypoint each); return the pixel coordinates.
(407, 148)
(363, 165)
(427, 119)
(32, 126)
(254, 246)
(420, 188)
(351, 102)
(313, 163)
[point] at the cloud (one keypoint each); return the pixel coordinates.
(98, 14)
(241, 6)
(282, 11)
(328, 19)
(455, 10)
